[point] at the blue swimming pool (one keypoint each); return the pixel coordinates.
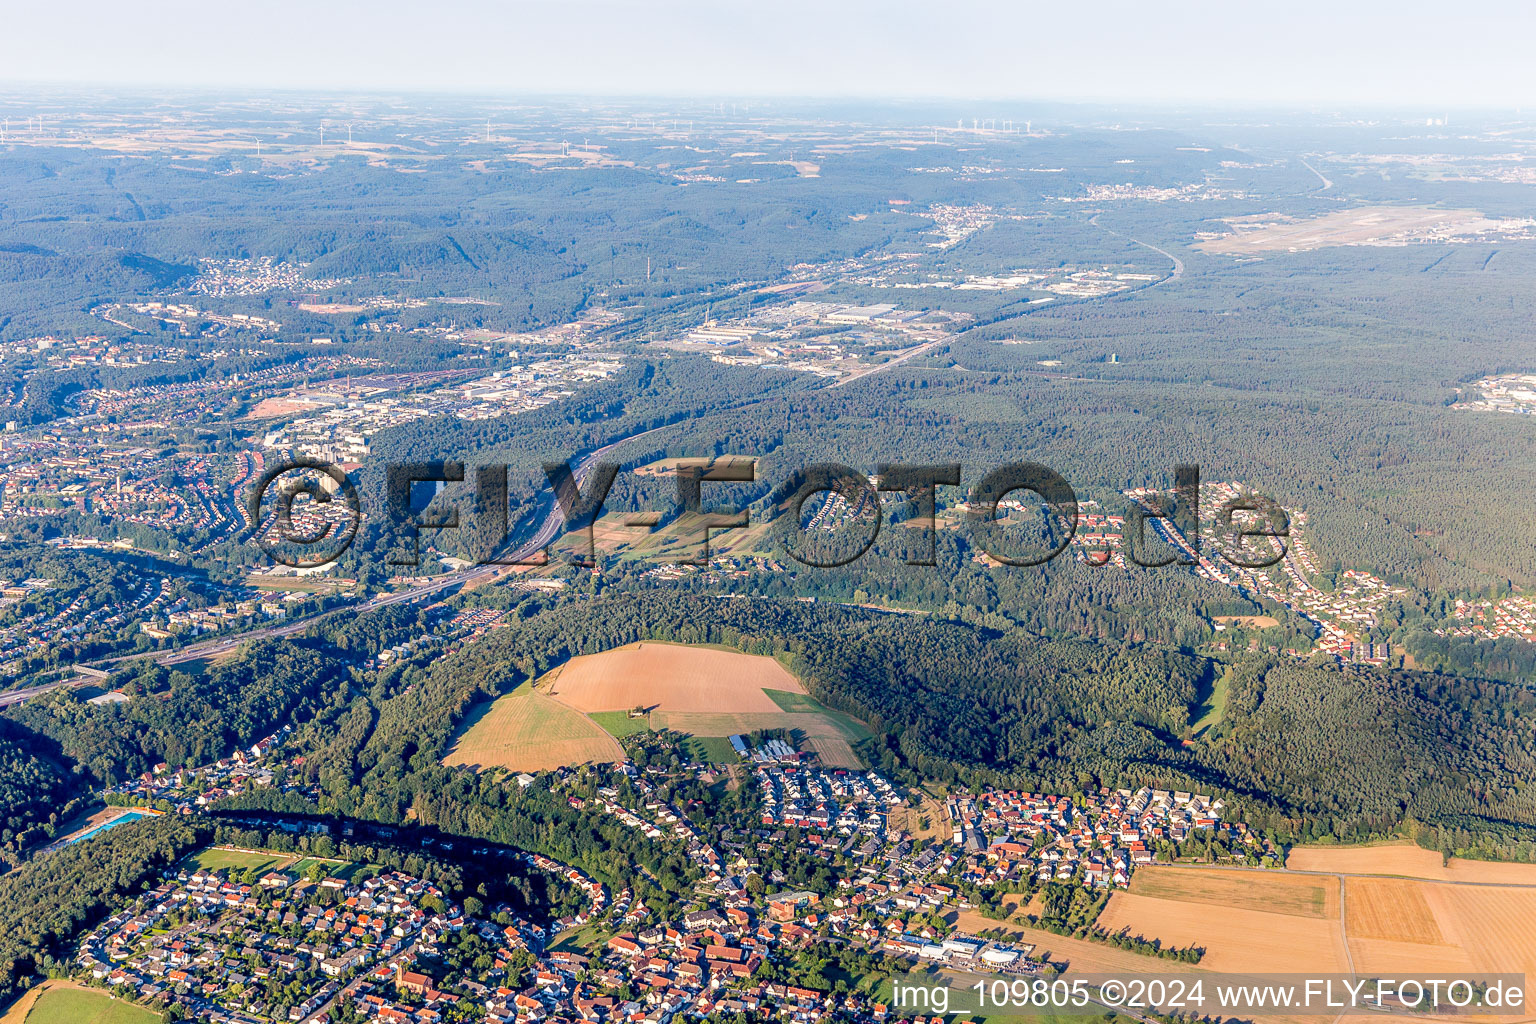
(120, 819)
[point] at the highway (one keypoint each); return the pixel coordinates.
(17, 696)
(1178, 264)
(549, 530)
(896, 361)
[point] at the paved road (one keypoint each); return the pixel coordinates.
(910, 353)
(1326, 183)
(549, 529)
(17, 696)
(1178, 264)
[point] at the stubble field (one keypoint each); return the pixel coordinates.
(670, 677)
(529, 732)
(573, 714)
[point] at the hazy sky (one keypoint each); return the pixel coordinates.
(1338, 53)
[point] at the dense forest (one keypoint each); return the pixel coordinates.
(184, 719)
(37, 790)
(950, 700)
(1302, 751)
(46, 902)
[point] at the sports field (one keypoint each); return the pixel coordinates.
(217, 859)
(527, 731)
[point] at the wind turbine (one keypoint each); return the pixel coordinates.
(349, 133)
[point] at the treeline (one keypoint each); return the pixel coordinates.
(184, 719)
(36, 790)
(975, 707)
(1504, 658)
(47, 902)
(1478, 838)
(476, 883)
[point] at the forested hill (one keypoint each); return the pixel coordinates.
(36, 790)
(1304, 751)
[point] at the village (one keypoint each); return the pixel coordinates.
(230, 937)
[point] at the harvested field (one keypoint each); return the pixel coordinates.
(833, 751)
(1272, 922)
(1408, 861)
(528, 732)
(1235, 939)
(670, 678)
(1292, 895)
(1389, 908)
(1401, 925)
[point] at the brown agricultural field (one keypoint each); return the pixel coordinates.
(670, 678)
(833, 751)
(1403, 925)
(1389, 908)
(528, 732)
(1408, 861)
(1275, 893)
(699, 691)
(1234, 938)
(1253, 921)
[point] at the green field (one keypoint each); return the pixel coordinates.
(235, 860)
(789, 701)
(712, 749)
(618, 724)
(333, 868)
(78, 1006)
(1215, 705)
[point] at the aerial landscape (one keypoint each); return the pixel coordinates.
(653, 535)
